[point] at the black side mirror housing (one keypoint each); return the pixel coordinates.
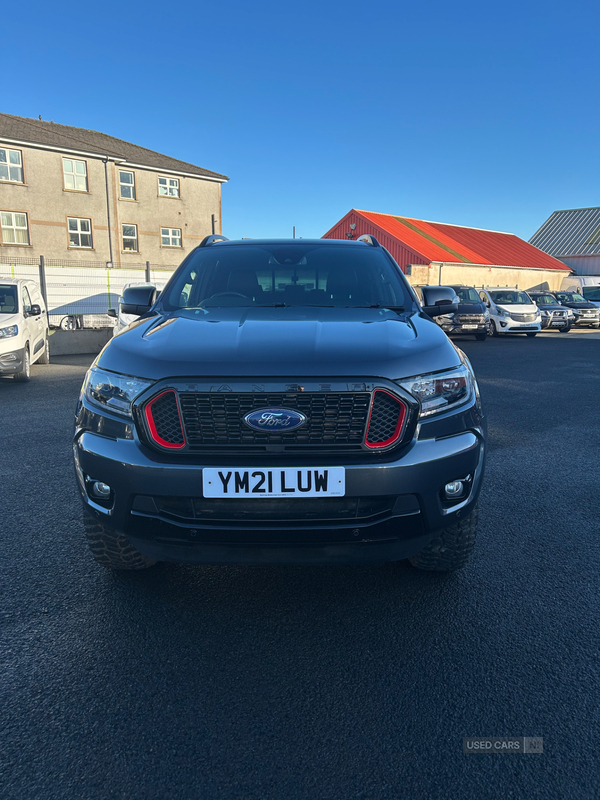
(112, 312)
(34, 311)
(138, 300)
(439, 300)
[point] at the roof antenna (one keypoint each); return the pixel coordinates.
(40, 116)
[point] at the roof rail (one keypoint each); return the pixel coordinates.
(368, 239)
(212, 239)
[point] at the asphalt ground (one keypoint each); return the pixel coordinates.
(312, 682)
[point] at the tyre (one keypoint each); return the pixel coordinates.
(25, 373)
(566, 329)
(45, 357)
(481, 337)
(451, 548)
(110, 548)
(494, 329)
(68, 323)
(594, 326)
(531, 335)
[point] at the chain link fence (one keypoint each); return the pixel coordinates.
(79, 293)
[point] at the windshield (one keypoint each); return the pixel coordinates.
(591, 293)
(510, 298)
(545, 300)
(570, 297)
(466, 295)
(8, 299)
(285, 274)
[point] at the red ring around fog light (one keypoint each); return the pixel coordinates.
(156, 437)
(399, 423)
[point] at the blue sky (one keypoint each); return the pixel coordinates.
(482, 114)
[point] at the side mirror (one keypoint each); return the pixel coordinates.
(137, 300)
(34, 311)
(439, 300)
(112, 312)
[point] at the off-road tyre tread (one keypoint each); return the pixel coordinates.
(451, 548)
(110, 548)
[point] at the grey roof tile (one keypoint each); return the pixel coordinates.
(574, 232)
(64, 136)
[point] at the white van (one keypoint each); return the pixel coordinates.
(123, 320)
(586, 285)
(511, 311)
(23, 328)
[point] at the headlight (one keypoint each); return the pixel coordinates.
(486, 315)
(503, 312)
(576, 312)
(111, 391)
(6, 333)
(441, 391)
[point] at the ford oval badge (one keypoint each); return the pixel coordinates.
(274, 420)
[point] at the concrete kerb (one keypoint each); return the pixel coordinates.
(68, 343)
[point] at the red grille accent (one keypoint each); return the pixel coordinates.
(164, 420)
(386, 420)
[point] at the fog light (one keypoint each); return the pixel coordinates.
(454, 489)
(101, 490)
(10, 357)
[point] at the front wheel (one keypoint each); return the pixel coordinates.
(25, 372)
(494, 329)
(481, 336)
(451, 548)
(531, 335)
(566, 329)
(110, 548)
(45, 357)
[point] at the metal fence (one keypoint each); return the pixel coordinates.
(78, 294)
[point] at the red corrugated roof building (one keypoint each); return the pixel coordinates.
(416, 242)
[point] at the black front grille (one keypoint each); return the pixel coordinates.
(216, 419)
(165, 416)
(273, 510)
(387, 414)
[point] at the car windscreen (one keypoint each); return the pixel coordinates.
(466, 295)
(510, 298)
(591, 293)
(8, 299)
(283, 274)
(570, 297)
(544, 300)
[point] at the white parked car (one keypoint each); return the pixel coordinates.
(23, 328)
(511, 311)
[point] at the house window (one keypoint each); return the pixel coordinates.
(130, 238)
(168, 187)
(170, 237)
(80, 232)
(11, 165)
(75, 175)
(15, 229)
(126, 185)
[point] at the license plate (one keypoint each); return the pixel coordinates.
(557, 324)
(469, 327)
(288, 482)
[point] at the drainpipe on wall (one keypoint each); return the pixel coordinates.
(110, 249)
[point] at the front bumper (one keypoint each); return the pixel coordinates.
(585, 322)
(549, 323)
(470, 329)
(148, 485)
(12, 361)
(506, 325)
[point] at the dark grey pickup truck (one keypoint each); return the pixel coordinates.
(281, 402)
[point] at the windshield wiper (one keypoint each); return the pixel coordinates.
(379, 305)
